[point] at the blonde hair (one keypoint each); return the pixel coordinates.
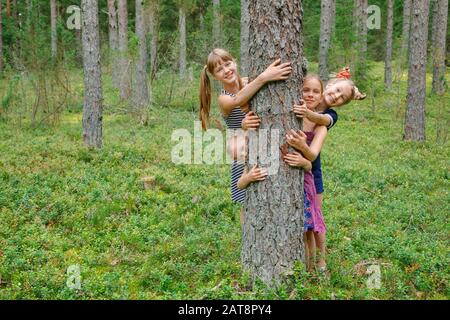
(356, 94)
(216, 57)
(313, 76)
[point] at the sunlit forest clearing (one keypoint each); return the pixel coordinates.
(139, 226)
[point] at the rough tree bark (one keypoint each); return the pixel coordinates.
(273, 226)
(93, 96)
(141, 98)
(440, 17)
(53, 28)
(406, 26)
(388, 58)
(1, 39)
(182, 29)
(415, 110)
(326, 24)
(113, 42)
(153, 29)
(217, 32)
(244, 37)
(123, 50)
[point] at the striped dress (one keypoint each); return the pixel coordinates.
(234, 121)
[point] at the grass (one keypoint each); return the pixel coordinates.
(386, 202)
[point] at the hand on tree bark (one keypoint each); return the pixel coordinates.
(296, 139)
(251, 121)
(277, 71)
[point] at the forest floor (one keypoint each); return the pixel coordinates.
(386, 205)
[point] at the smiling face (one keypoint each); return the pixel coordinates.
(225, 71)
(312, 92)
(338, 93)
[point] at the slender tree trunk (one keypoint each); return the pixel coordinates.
(182, 28)
(273, 223)
(141, 97)
(8, 8)
(153, 27)
(93, 96)
(217, 34)
(1, 40)
(361, 35)
(415, 111)
(439, 45)
(123, 50)
(389, 31)
(326, 23)
(405, 32)
(245, 19)
(113, 42)
(53, 28)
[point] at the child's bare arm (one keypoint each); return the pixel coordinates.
(301, 111)
(297, 140)
(255, 174)
(295, 159)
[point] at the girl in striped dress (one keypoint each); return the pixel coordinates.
(234, 107)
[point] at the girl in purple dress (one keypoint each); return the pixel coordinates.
(313, 137)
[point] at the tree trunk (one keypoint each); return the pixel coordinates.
(405, 32)
(153, 28)
(1, 40)
(93, 96)
(245, 19)
(8, 8)
(113, 43)
(389, 31)
(326, 23)
(217, 34)
(273, 223)
(439, 45)
(415, 111)
(182, 28)
(141, 98)
(53, 28)
(123, 50)
(361, 35)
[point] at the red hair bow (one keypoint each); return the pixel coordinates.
(344, 73)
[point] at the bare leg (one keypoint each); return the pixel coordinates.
(320, 200)
(320, 244)
(310, 248)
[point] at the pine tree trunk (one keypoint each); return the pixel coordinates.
(8, 8)
(440, 17)
(153, 27)
(141, 97)
(273, 223)
(113, 42)
(326, 21)
(123, 50)
(53, 28)
(245, 19)
(389, 31)
(182, 28)
(1, 40)
(415, 110)
(217, 37)
(93, 96)
(361, 35)
(405, 32)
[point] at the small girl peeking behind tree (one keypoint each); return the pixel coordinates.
(338, 92)
(234, 107)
